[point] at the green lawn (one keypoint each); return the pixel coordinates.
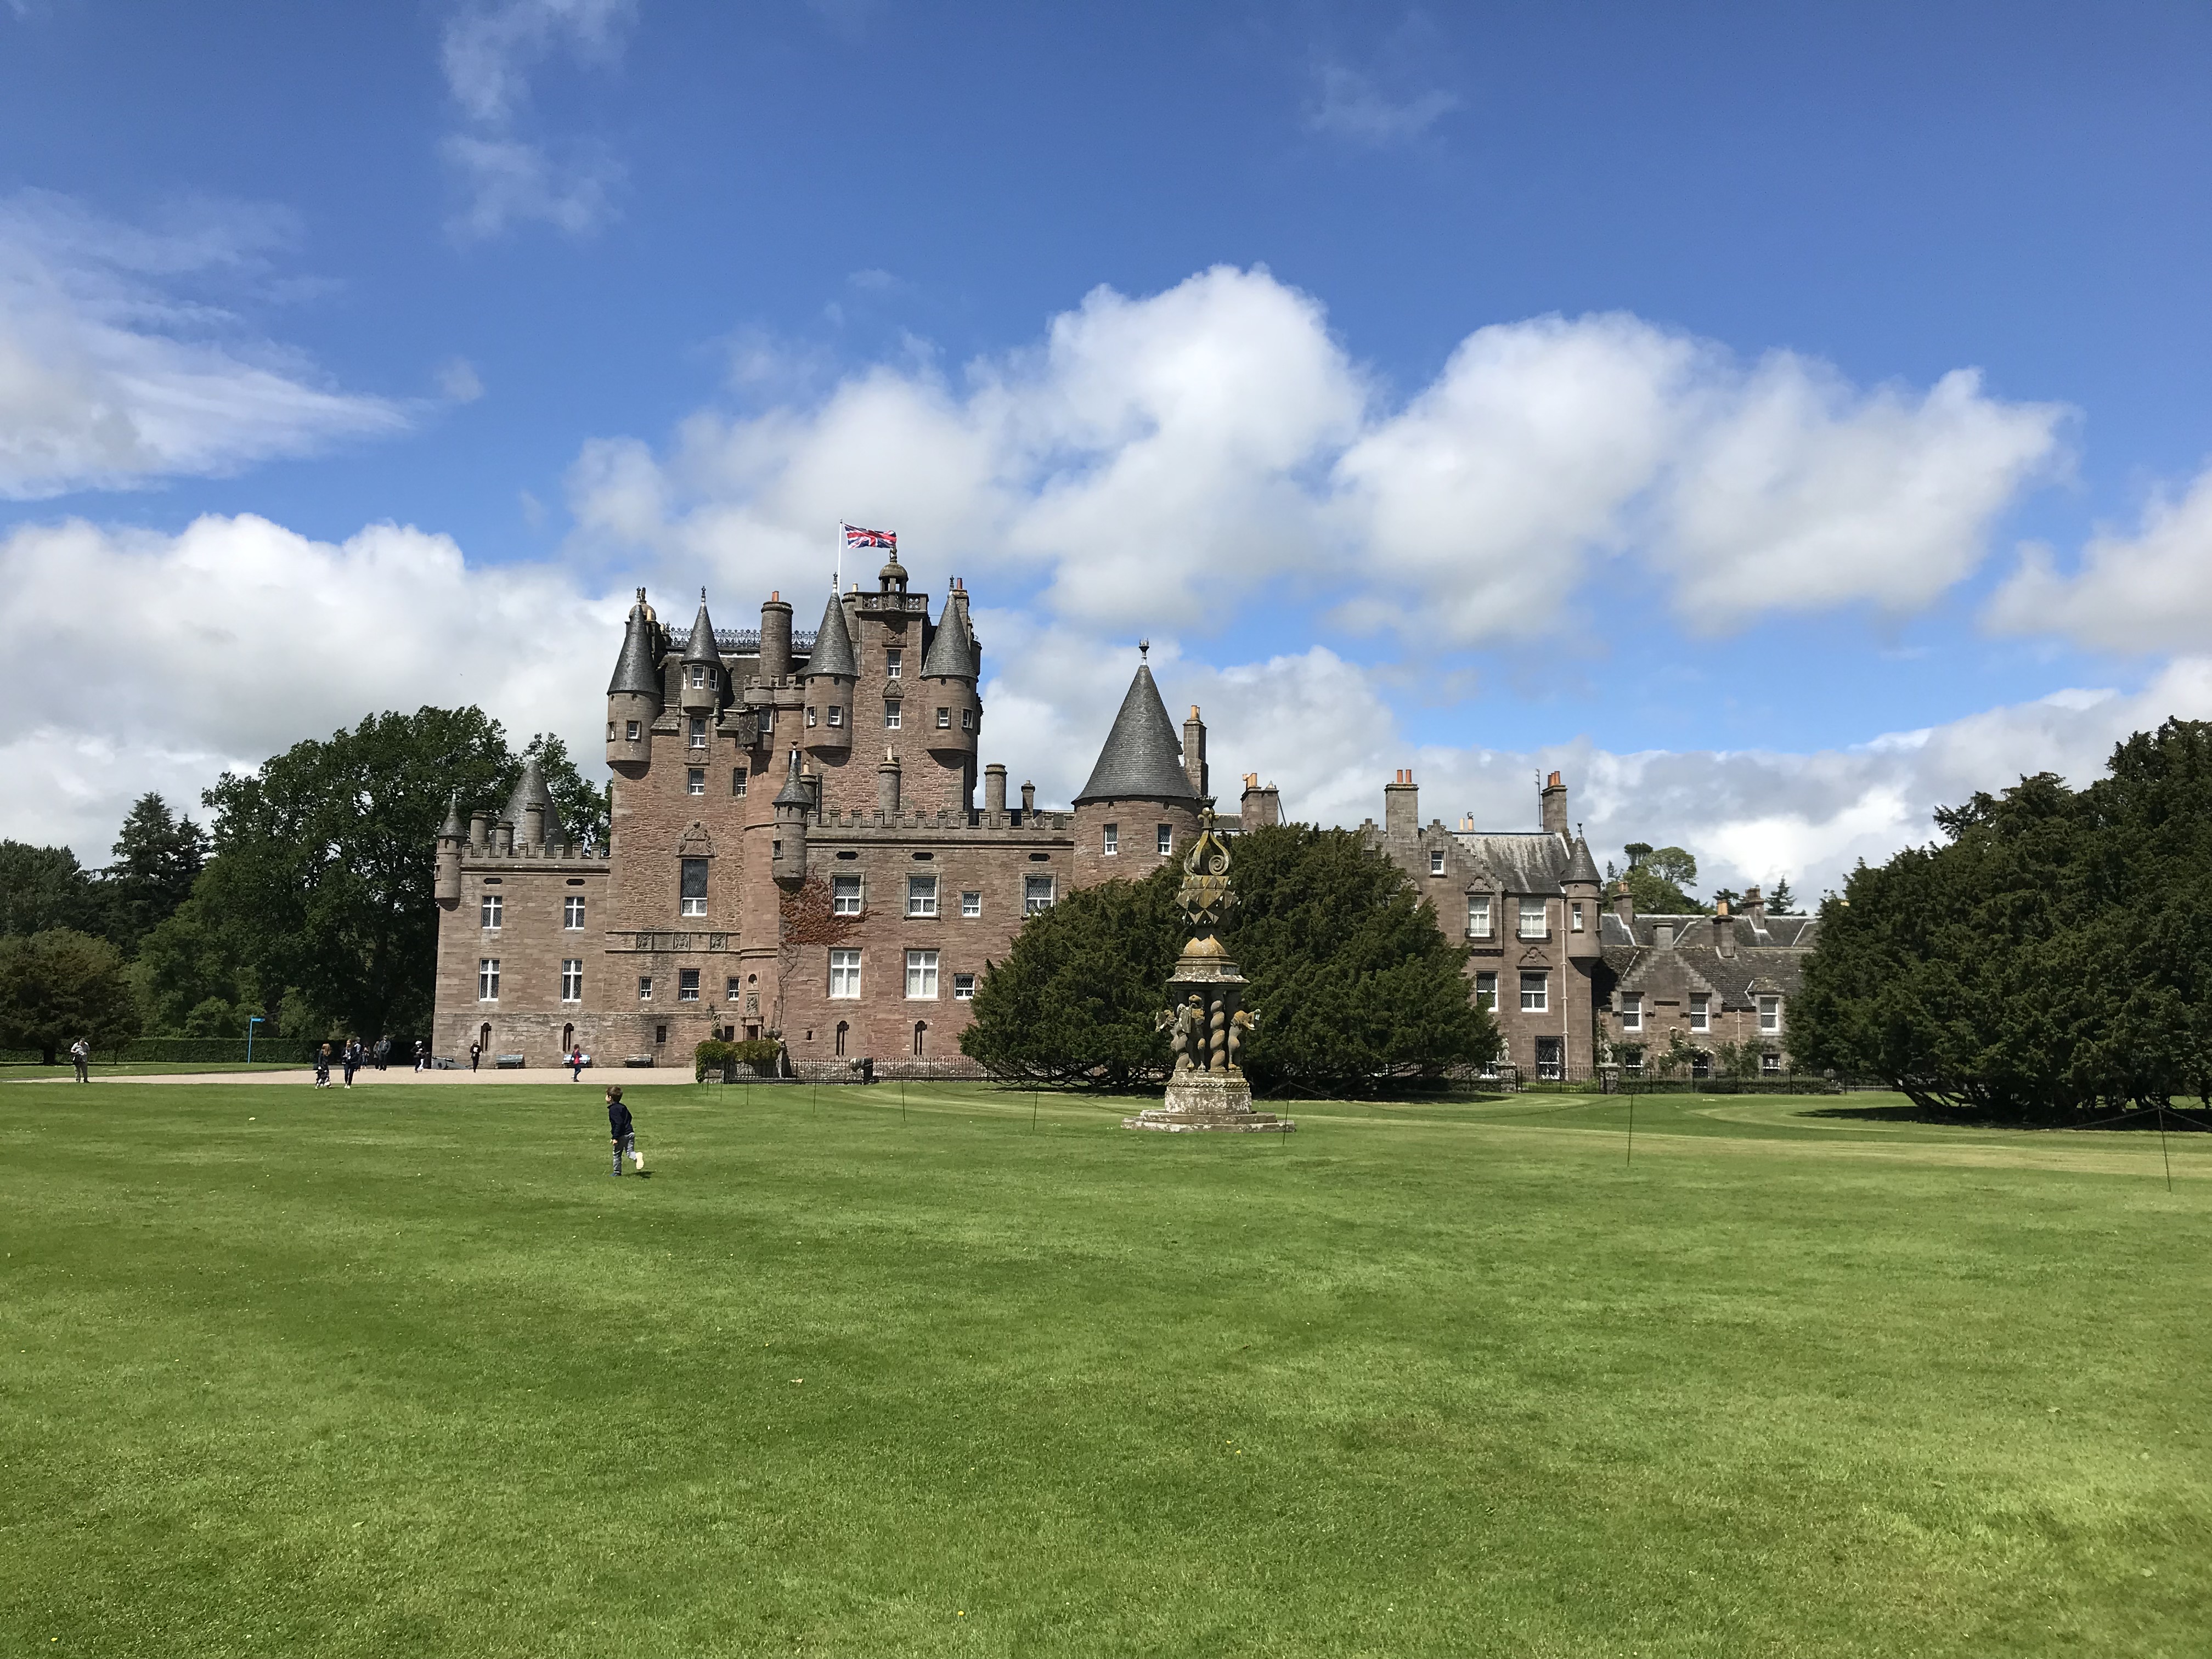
(17, 1071)
(405, 1373)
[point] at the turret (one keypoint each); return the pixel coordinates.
(1139, 788)
(633, 694)
(530, 818)
(951, 713)
(701, 692)
(794, 809)
(451, 834)
(776, 638)
(1582, 885)
(1401, 804)
(832, 673)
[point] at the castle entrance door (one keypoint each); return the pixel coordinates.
(1550, 1063)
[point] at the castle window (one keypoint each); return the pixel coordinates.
(921, 1031)
(572, 979)
(691, 887)
(944, 720)
(660, 1034)
(1631, 1011)
(1536, 997)
(488, 979)
(1110, 842)
(1164, 839)
(810, 713)
(844, 1030)
(845, 896)
(963, 987)
(687, 985)
(629, 731)
(488, 908)
(972, 904)
(1534, 923)
(698, 732)
(922, 897)
(695, 781)
(572, 913)
(1576, 924)
(1701, 1015)
(1478, 915)
(922, 976)
(732, 990)
(645, 988)
(894, 662)
(1436, 860)
(836, 714)
(1036, 894)
(698, 673)
(737, 781)
(1486, 991)
(966, 719)
(1769, 1014)
(891, 717)
(845, 975)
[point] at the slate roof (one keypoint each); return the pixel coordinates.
(833, 644)
(529, 790)
(795, 792)
(1520, 862)
(637, 669)
(1143, 756)
(1581, 867)
(452, 828)
(1772, 965)
(952, 652)
(700, 647)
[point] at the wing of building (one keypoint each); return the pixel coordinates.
(797, 848)
(1574, 976)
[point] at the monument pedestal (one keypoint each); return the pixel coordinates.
(1208, 1100)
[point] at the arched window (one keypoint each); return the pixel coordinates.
(842, 1028)
(483, 1036)
(567, 1040)
(920, 1027)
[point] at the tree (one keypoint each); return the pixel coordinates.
(43, 888)
(1350, 978)
(1781, 902)
(1658, 879)
(320, 881)
(61, 985)
(157, 857)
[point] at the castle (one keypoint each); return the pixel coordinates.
(796, 852)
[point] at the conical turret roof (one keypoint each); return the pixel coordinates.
(1580, 865)
(1143, 756)
(952, 652)
(833, 644)
(637, 669)
(795, 792)
(529, 791)
(453, 828)
(701, 648)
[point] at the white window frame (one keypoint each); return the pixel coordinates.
(845, 975)
(945, 720)
(836, 714)
(922, 976)
(1701, 1012)
(1631, 1011)
(1478, 915)
(698, 732)
(1540, 913)
(966, 719)
(1486, 991)
(1575, 917)
(629, 731)
(1109, 840)
(572, 979)
(490, 908)
(1033, 900)
(921, 895)
(1164, 841)
(486, 979)
(1436, 860)
(733, 987)
(1770, 1016)
(892, 715)
(1536, 994)
(809, 715)
(698, 674)
(963, 987)
(738, 782)
(972, 904)
(645, 988)
(894, 663)
(687, 985)
(689, 904)
(847, 895)
(695, 781)
(572, 913)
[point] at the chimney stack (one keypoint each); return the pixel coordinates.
(1552, 802)
(1401, 804)
(776, 638)
(1259, 808)
(1624, 902)
(1724, 928)
(887, 785)
(1028, 802)
(1194, 755)
(994, 787)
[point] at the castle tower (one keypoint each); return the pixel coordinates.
(794, 809)
(635, 691)
(1582, 885)
(952, 713)
(451, 834)
(832, 673)
(701, 694)
(1139, 807)
(536, 820)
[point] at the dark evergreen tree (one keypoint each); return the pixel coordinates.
(157, 858)
(1781, 902)
(61, 985)
(43, 888)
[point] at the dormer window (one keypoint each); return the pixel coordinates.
(894, 663)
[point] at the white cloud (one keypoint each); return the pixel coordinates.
(228, 642)
(113, 377)
(490, 49)
(2151, 592)
(459, 381)
(1159, 458)
(1349, 105)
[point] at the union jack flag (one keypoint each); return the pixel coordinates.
(856, 537)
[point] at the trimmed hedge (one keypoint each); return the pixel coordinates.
(712, 1056)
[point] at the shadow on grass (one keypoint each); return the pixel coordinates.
(1968, 1117)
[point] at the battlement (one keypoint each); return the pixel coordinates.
(863, 825)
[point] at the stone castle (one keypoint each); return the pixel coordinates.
(797, 852)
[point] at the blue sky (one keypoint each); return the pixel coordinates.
(1664, 394)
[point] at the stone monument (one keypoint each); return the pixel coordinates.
(1207, 1021)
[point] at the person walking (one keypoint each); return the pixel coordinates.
(81, 1057)
(476, 1053)
(323, 1067)
(422, 1054)
(576, 1064)
(352, 1059)
(383, 1051)
(620, 1127)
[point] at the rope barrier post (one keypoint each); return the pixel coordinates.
(2162, 1152)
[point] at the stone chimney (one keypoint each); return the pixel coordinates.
(1259, 808)
(1724, 928)
(1754, 906)
(994, 787)
(1194, 754)
(1028, 802)
(887, 785)
(1552, 802)
(1401, 804)
(775, 637)
(1624, 902)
